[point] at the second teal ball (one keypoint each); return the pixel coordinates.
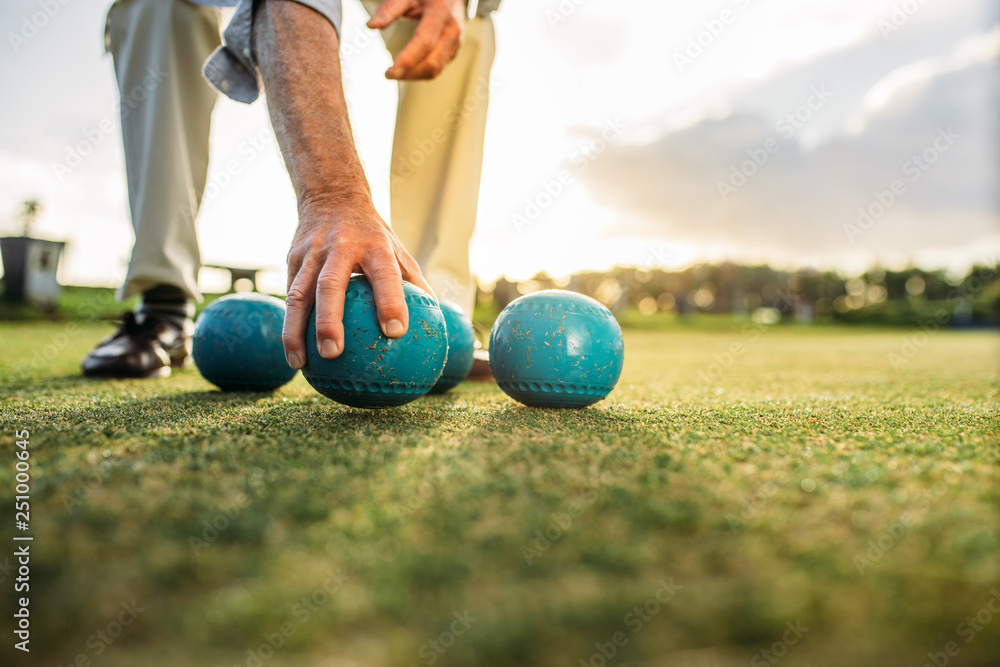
(461, 345)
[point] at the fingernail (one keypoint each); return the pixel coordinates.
(393, 328)
(293, 360)
(393, 72)
(329, 349)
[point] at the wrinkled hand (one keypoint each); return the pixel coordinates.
(331, 242)
(435, 42)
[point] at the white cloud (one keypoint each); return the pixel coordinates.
(797, 204)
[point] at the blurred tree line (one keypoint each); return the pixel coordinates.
(879, 296)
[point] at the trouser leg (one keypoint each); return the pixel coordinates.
(159, 47)
(437, 157)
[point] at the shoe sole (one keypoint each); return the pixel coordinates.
(480, 371)
(155, 373)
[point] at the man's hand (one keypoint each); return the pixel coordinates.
(331, 243)
(339, 230)
(437, 38)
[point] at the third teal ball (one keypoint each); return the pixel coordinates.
(461, 345)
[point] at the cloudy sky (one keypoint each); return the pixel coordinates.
(753, 130)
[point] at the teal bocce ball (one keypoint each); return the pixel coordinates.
(374, 371)
(237, 343)
(461, 345)
(556, 349)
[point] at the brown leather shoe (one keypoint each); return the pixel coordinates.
(144, 346)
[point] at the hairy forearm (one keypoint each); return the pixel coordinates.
(297, 53)
(339, 230)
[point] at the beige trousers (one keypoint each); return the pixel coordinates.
(436, 157)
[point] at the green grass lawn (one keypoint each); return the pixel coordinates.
(803, 482)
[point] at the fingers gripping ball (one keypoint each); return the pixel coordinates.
(556, 349)
(237, 343)
(374, 371)
(461, 344)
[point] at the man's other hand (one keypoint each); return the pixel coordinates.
(435, 42)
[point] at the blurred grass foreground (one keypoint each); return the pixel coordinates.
(745, 494)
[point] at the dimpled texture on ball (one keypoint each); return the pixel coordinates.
(556, 349)
(374, 371)
(237, 343)
(461, 345)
